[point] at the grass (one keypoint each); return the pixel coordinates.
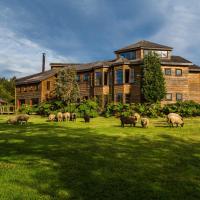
(99, 161)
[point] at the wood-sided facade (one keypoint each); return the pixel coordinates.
(117, 80)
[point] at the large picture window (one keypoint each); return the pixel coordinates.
(127, 76)
(129, 55)
(119, 76)
(98, 78)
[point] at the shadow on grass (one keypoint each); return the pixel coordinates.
(88, 165)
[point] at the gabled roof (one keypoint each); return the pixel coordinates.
(35, 78)
(145, 45)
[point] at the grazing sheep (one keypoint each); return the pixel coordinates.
(173, 114)
(73, 117)
(174, 120)
(66, 116)
(132, 120)
(137, 116)
(52, 117)
(144, 122)
(86, 118)
(12, 120)
(59, 117)
(22, 118)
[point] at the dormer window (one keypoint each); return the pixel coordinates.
(129, 55)
(161, 54)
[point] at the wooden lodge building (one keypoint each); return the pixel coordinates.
(117, 80)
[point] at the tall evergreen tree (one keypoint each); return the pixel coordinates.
(67, 88)
(153, 82)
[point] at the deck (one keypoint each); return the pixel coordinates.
(7, 109)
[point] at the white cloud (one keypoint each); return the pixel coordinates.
(19, 54)
(181, 29)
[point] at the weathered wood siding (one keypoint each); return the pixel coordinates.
(194, 86)
(27, 93)
(176, 84)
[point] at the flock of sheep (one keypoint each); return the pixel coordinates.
(62, 117)
(173, 119)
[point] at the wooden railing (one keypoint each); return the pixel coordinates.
(7, 109)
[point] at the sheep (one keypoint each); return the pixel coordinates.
(73, 117)
(22, 118)
(174, 120)
(144, 122)
(128, 120)
(59, 116)
(52, 117)
(173, 114)
(66, 116)
(12, 120)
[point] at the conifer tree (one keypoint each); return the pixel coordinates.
(153, 82)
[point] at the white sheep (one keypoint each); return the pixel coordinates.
(144, 122)
(174, 120)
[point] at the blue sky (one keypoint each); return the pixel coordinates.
(89, 30)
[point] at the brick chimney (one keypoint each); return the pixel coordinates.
(43, 62)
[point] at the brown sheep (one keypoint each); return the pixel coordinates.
(52, 117)
(144, 122)
(132, 120)
(59, 116)
(22, 118)
(66, 116)
(174, 120)
(73, 117)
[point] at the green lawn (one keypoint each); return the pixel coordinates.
(99, 160)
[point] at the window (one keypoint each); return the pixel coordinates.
(168, 71)
(98, 78)
(48, 85)
(119, 76)
(127, 98)
(132, 78)
(169, 97)
(86, 77)
(129, 55)
(127, 75)
(119, 97)
(179, 97)
(78, 78)
(161, 54)
(105, 78)
(178, 72)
